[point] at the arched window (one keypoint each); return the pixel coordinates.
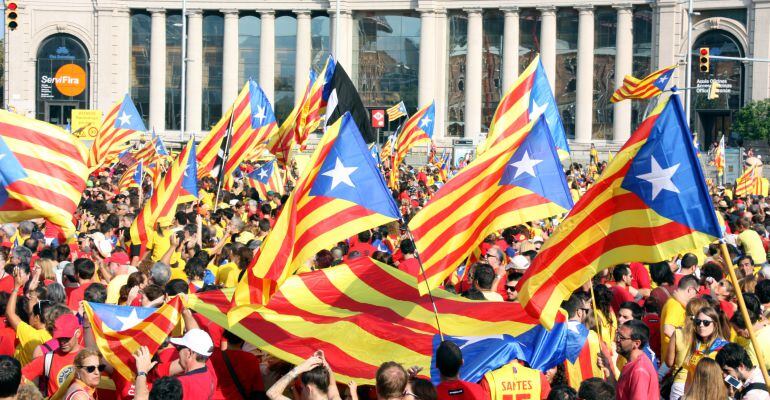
(62, 78)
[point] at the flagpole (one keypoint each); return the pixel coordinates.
(422, 271)
(182, 113)
(224, 159)
(744, 311)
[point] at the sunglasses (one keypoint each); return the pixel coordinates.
(91, 368)
(511, 288)
(702, 322)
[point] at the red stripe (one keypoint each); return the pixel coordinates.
(52, 170)
(638, 236)
(34, 137)
(585, 361)
(38, 192)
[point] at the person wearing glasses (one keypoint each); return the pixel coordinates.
(638, 379)
(67, 331)
(88, 368)
(706, 340)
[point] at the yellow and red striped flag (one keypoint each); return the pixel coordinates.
(120, 331)
(266, 178)
(520, 179)
(396, 112)
(164, 197)
(418, 129)
(309, 117)
(42, 172)
(750, 182)
(649, 86)
(132, 177)
(339, 194)
(365, 313)
(121, 125)
(650, 204)
(719, 157)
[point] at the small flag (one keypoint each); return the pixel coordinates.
(265, 179)
(396, 112)
(649, 86)
(719, 157)
(343, 97)
(121, 125)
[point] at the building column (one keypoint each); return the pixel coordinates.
(157, 119)
(344, 54)
(621, 126)
(230, 59)
(759, 38)
(439, 77)
(548, 42)
(510, 47)
(426, 89)
(473, 74)
(194, 86)
(666, 35)
(303, 55)
(585, 80)
(267, 53)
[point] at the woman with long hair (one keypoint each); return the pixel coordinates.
(706, 339)
(677, 347)
(706, 382)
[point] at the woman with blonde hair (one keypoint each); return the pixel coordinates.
(677, 348)
(706, 382)
(705, 340)
(88, 370)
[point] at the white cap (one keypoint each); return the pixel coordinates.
(519, 262)
(197, 340)
(102, 244)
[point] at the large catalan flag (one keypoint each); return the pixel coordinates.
(121, 125)
(339, 194)
(364, 313)
(247, 136)
(518, 180)
(119, 331)
(649, 86)
(165, 195)
(265, 179)
(133, 177)
(528, 98)
(42, 171)
(650, 204)
(418, 129)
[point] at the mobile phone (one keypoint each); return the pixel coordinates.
(734, 382)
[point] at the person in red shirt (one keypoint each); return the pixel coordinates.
(363, 245)
(449, 359)
(84, 268)
(229, 366)
(638, 379)
(409, 264)
(686, 267)
(197, 377)
(640, 279)
(67, 331)
(620, 294)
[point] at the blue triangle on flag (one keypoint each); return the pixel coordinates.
(128, 117)
(261, 110)
(349, 172)
(10, 170)
(541, 100)
(263, 173)
(120, 318)
(190, 179)
(535, 165)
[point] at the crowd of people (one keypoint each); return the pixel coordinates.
(667, 330)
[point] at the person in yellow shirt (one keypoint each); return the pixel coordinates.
(761, 331)
(229, 274)
(159, 241)
(751, 242)
(32, 334)
(672, 315)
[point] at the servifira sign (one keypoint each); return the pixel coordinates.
(69, 80)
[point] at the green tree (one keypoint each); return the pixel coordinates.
(753, 120)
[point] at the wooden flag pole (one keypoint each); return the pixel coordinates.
(744, 311)
(422, 271)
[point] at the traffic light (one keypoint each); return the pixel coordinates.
(703, 59)
(11, 14)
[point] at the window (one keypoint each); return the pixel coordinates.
(140, 63)
(213, 40)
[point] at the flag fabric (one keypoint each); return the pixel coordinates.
(43, 174)
(528, 98)
(539, 348)
(750, 182)
(418, 129)
(165, 195)
(309, 117)
(650, 204)
(339, 194)
(132, 177)
(649, 86)
(121, 125)
(518, 180)
(396, 112)
(362, 314)
(280, 144)
(152, 149)
(188, 191)
(265, 179)
(343, 97)
(120, 331)
(585, 366)
(719, 157)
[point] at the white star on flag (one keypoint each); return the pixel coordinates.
(262, 174)
(260, 114)
(660, 178)
(425, 121)
(476, 339)
(340, 174)
(129, 321)
(125, 119)
(526, 164)
(537, 110)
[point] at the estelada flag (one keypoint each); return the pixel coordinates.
(340, 194)
(649, 86)
(42, 172)
(650, 204)
(266, 179)
(517, 180)
(119, 331)
(121, 125)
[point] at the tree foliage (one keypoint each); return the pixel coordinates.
(753, 120)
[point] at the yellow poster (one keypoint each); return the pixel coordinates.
(85, 123)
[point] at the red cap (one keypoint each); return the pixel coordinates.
(65, 326)
(520, 238)
(118, 258)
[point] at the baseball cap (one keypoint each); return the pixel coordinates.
(197, 340)
(65, 326)
(118, 258)
(519, 262)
